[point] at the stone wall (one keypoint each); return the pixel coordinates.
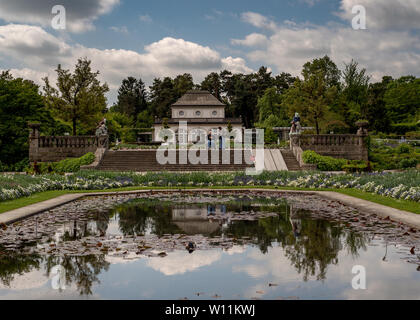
(56, 148)
(346, 146)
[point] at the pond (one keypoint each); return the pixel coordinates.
(220, 245)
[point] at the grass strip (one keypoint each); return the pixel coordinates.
(405, 205)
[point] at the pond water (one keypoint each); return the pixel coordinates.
(243, 245)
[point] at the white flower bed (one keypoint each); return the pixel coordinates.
(390, 185)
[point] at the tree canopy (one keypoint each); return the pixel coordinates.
(79, 97)
(20, 103)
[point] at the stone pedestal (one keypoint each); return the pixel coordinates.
(34, 141)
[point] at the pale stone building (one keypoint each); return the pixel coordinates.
(200, 110)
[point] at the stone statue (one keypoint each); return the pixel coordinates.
(101, 129)
(296, 128)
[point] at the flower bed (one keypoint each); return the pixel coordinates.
(398, 185)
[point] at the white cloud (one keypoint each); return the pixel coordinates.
(258, 20)
(394, 53)
(251, 40)
(80, 14)
(385, 14)
(39, 53)
(235, 65)
(180, 262)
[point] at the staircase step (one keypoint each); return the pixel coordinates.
(145, 160)
(290, 159)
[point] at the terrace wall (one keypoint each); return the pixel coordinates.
(346, 146)
(56, 148)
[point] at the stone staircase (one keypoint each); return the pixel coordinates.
(145, 160)
(290, 160)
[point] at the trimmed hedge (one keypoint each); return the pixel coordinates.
(66, 165)
(324, 163)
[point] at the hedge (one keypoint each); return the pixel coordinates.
(66, 165)
(324, 163)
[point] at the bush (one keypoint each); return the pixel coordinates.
(403, 148)
(17, 167)
(66, 165)
(324, 163)
(270, 137)
(128, 135)
(408, 163)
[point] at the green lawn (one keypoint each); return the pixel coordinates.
(406, 205)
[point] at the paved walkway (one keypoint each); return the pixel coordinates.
(361, 205)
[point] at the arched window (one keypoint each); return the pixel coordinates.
(214, 113)
(198, 113)
(181, 113)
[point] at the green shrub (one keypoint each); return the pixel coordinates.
(324, 163)
(66, 165)
(408, 163)
(73, 165)
(128, 135)
(17, 167)
(270, 137)
(403, 148)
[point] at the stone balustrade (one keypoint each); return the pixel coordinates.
(346, 146)
(56, 148)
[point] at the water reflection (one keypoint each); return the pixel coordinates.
(310, 245)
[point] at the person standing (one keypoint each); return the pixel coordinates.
(220, 139)
(209, 139)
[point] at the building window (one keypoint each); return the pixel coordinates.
(214, 113)
(181, 113)
(198, 113)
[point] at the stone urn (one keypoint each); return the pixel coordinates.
(363, 125)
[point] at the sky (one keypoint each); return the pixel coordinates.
(150, 39)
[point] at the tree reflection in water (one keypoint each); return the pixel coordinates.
(15, 263)
(83, 271)
(310, 244)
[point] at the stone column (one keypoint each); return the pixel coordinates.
(34, 142)
(363, 135)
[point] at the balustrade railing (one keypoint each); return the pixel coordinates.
(328, 140)
(72, 141)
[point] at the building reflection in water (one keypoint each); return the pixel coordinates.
(310, 244)
(195, 220)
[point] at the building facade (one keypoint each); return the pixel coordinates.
(199, 110)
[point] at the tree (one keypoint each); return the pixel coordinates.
(20, 103)
(131, 97)
(269, 104)
(79, 97)
(283, 82)
(244, 99)
(326, 67)
(144, 120)
(402, 99)
(164, 93)
(377, 115)
(262, 80)
(354, 96)
(213, 84)
(182, 84)
(311, 98)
